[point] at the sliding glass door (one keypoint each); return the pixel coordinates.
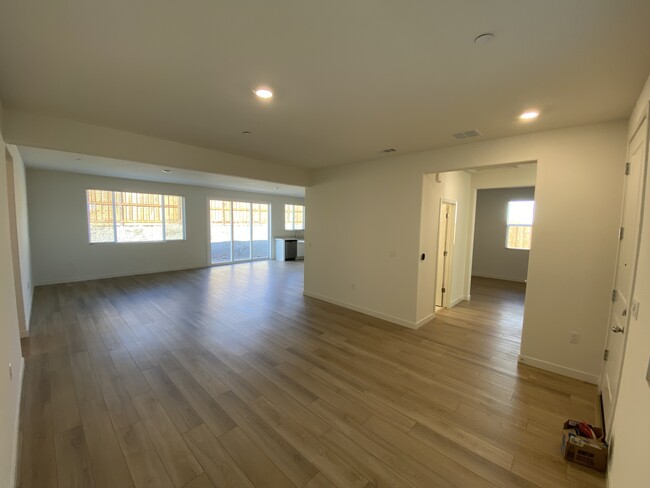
(220, 232)
(239, 231)
(260, 231)
(241, 218)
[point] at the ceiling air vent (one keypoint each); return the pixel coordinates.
(467, 134)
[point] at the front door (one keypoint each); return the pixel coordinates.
(625, 269)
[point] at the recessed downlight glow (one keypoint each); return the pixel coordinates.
(166, 171)
(264, 93)
(529, 115)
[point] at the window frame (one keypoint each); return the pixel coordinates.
(115, 223)
(509, 225)
(293, 216)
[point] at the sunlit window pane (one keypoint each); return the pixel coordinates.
(520, 224)
(134, 217)
(521, 212)
(100, 216)
(294, 217)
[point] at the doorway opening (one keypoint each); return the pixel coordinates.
(503, 232)
(477, 224)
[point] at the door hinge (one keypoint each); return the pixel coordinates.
(444, 289)
(621, 231)
(606, 355)
(445, 253)
(614, 293)
(627, 168)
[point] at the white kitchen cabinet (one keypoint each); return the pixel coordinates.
(285, 248)
(301, 249)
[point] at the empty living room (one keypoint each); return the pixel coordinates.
(324, 244)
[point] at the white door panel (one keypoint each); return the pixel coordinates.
(625, 270)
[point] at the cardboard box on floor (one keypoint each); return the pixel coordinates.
(583, 450)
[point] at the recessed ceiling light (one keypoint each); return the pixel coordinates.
(276, 188)
(166, 171)
(246, 132)
(530, 115)
(263, 93)
(484, 38)
(389, 150)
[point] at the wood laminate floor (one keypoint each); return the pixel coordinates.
(228, 376)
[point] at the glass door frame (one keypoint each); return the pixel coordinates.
(232, 230)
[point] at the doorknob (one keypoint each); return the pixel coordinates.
(618, 330)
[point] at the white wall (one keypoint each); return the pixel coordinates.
(9, 339)
(59, 228)
(491, 257)
(361, 212)
(631, 426)
(19, 202)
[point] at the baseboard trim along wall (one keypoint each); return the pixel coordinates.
(556, 368)
(366, 311)
(458, 300)
(116, 275)
(15, 465)
(516, 279)
(423, 321)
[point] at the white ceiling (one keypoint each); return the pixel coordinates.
(351, 77)
(95, 165)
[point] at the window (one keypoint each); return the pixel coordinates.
(120, 216)
(294, 217)
(519, 225)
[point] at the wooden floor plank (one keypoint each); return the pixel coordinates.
(280, 452)
(175, 403)
(220, 467)
(142, 459)
(257, 466)
(179, 461)
(109, 467)
(73, 461)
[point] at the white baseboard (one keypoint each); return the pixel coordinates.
(76, 279)
(516, 279)
(367, 311)
(15, 463)
(458, 300)
(423, 321)
(556, 368)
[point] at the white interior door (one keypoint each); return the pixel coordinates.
(625, 270)
(445, 247)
